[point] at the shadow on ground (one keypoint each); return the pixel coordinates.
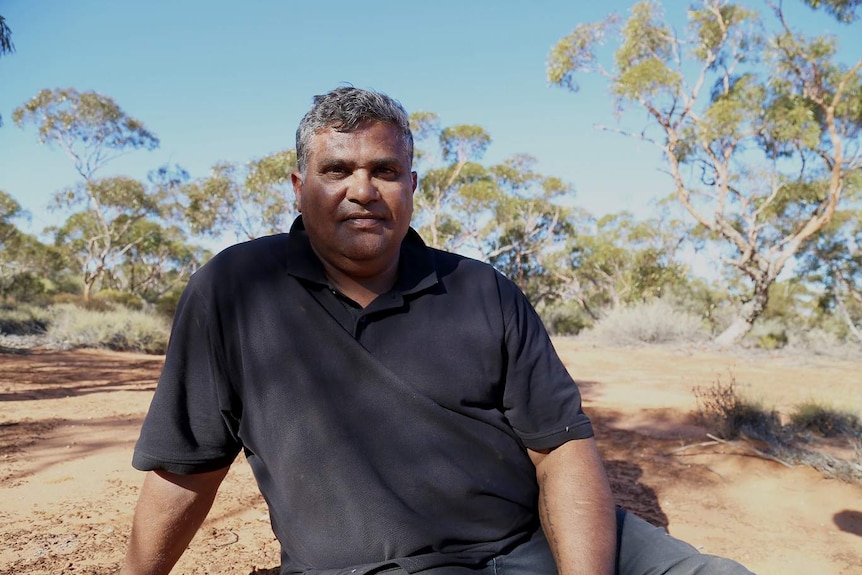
(57, 374)
(849, 521)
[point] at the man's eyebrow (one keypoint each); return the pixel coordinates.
(330, 163)
(387, 162)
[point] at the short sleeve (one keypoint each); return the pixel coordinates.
(192, 420)
(541, 400)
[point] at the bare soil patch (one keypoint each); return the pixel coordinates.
(69, 420)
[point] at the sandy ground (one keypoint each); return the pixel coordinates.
(69, 420)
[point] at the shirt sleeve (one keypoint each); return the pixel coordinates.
(541, 400)
(192, 422)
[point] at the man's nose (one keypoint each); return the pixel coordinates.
(362, 188)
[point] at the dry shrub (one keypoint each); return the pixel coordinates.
(119, 329)
(23, 320)
(823, 343)
(825, 420)
(727, 414)
(656, 321)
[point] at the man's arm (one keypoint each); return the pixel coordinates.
(576, 508)
(169, 512)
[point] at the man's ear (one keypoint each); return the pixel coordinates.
(296, 180)
(415, 178)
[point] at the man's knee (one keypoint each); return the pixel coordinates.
(646, 549)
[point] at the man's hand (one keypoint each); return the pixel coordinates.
(576, 508)
(169, 512)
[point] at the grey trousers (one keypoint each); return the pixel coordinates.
(643, 549)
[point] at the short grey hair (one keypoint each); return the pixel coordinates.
(344, 109)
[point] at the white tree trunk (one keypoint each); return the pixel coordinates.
(744, 321)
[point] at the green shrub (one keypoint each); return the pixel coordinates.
(119, 329)
(768, 334)
(656, 321)
(124, 299)
(564, 319)
(772, 340)
(77, 300)
(24, 287)
(825, 420)
(167, 304)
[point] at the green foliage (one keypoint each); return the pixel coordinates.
(26, 265)
(117, 298)
(643, 55)
(118, 329)
(88, 126)
(564, 318)
(463, 142)
(251, 200)
(101, 234)
(842, 10)
(618, 260)
(507, 214)
(23, 287)
(711, 303)
(167, 304)
(653, 322)
(92, 129)
(6, 45)
(711, 25)
(772, 340)
(763, 160)
(576, 53)
(158, 259)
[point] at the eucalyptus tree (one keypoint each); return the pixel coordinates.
(27, 266)
(92, 130)
(529, 227)
(247, 200)
(6, 45)
(454, 187)
(158, 261)
(617, 260)
(759, 125)
(88, 127)
(834, 260)
(507, 214)
(99, 240)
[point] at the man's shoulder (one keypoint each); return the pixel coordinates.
(451, 261)
(460, 265)
(244, 259)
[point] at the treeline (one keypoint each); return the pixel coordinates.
(759, 126)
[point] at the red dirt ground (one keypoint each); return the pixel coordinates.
(69, 421)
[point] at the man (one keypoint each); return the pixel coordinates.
(402, 408)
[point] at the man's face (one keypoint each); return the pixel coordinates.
(356, 197)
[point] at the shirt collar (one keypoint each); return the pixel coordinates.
(416, 271)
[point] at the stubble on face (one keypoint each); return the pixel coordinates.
(356, 197)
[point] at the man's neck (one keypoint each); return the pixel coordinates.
(362, 290)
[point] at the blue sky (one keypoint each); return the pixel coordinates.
(229, 81)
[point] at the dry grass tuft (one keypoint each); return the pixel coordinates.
(727, 414)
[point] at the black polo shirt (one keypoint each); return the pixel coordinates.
(393, 434)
